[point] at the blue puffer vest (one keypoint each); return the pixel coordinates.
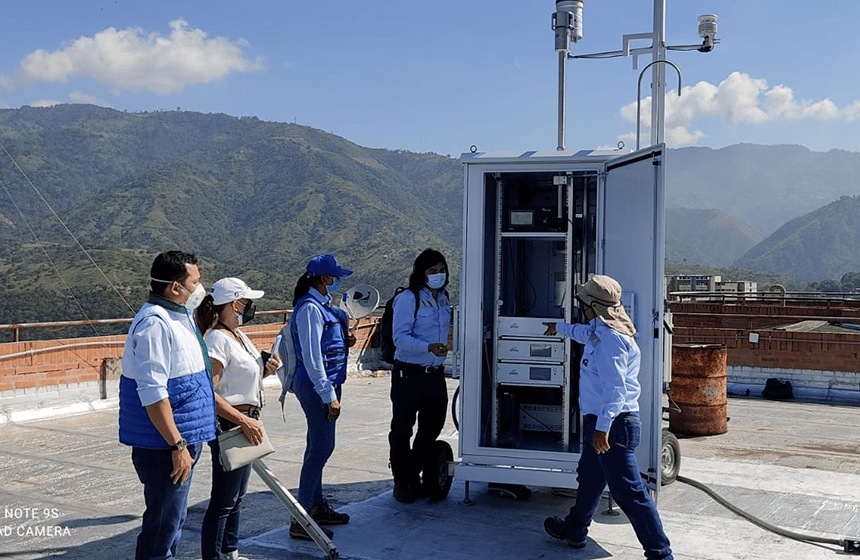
(332, 344)
(190, 393)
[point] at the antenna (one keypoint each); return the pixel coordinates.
(360, 301)
(567, 24)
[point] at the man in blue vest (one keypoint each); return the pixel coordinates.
(166, 402)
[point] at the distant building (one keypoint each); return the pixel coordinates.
(739, 287)
(693, 283)
(707, 284)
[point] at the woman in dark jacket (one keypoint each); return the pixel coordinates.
(422, 318)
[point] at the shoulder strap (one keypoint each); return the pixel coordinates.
(400, 290)
(313, 301)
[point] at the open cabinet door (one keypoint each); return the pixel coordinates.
(631, 251)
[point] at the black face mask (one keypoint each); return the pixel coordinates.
(249, 313)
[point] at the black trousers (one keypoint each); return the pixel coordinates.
(415, 394)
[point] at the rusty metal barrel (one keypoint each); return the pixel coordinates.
(698, 387)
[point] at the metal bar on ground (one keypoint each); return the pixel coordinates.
(296, 509)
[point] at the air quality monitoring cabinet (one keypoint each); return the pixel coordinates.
(537, 224)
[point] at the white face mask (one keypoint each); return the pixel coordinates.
(436, 281)
(195, 298)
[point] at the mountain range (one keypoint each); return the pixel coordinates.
(251, 198)
(256, 199)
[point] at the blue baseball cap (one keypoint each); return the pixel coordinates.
(326, 265)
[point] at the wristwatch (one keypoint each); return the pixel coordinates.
(180, 446)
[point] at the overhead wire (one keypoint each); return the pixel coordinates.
(47, 256)
(69, 231)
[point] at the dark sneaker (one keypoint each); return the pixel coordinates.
(298, 532)
(404, 493)
(554, 527)
(323, 514)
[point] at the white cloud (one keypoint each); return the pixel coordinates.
(80, 97)
(126, 59)
(852, 112)
(737, 99)
(45, 103)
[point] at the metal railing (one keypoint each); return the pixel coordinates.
(16, 328)
(828, 298)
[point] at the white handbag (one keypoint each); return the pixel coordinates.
(236, 451)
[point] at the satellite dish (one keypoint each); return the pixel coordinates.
(360, 301)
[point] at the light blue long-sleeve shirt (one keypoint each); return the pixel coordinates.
(310, 325)
(414, 332)
(161, 345)
(608, 373)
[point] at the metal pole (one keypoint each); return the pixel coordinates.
(296, 509)
(658, 75)
(562, 64)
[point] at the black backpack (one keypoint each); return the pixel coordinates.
(386, 328)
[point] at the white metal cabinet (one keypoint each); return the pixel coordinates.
(536, 224)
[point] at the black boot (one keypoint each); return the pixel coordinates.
(404, 493)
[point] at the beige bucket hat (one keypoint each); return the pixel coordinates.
(603, 295)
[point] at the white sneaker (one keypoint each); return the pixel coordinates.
(232, 556)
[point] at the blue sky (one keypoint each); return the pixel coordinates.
(440, 76)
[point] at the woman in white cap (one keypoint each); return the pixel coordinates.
(609, 400)
(238, 370)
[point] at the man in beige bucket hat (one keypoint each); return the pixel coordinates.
(609, 402)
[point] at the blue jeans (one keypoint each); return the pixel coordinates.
(320, 441)
(618, 468)
(220, 531)
(166, 503)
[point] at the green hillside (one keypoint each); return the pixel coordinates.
(251, 198)
(819, 245)
(707, 237)
(256, 199)
(764, 186)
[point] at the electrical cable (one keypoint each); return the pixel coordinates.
(536, 419)
(848, 544)
(454, 408)
(685, 48)
(597, 56)
(57, 216)
(47, 256)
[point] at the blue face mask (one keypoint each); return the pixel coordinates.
(436, 281)
(335, 285)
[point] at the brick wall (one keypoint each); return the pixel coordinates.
(780, 349)
(731, 324)
(71, 369)
(53, 365)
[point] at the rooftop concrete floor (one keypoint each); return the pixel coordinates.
(794, 464)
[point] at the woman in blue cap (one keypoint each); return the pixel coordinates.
(320, 336)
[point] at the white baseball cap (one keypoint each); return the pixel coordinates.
(226, 290)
